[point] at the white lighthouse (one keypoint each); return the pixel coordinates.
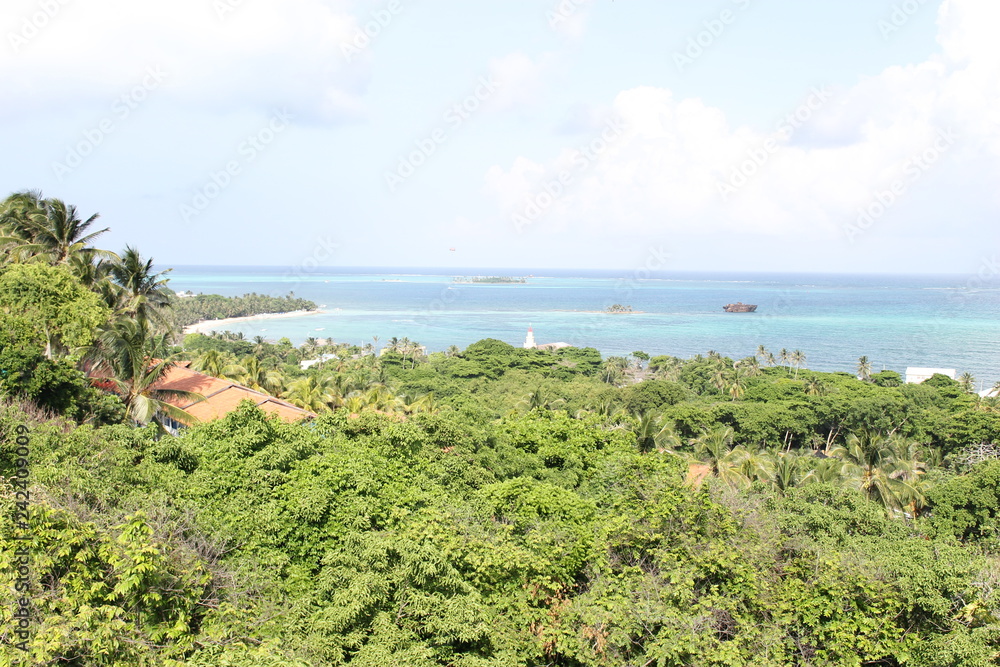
(529, 341)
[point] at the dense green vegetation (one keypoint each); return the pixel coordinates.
(193, 309)
(493, 506)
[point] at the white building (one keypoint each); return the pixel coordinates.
(530, 344)
(918, 375)
(529, 341)
(312, 362)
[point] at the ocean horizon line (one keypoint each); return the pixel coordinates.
(550, 272)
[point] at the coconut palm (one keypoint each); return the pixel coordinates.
(715, 449)
(47, 229)
(646, 431)
(720, 378)
(218, 364)
(815, 387)
(755, 466)
(137, 290)
(125, 355)
(613, 370)
(798, 359)
(967, 382)
(257, 376)
(884, 469)
(379, 397)
(784, 356)
(864, 368)
(453, 351)
(761, 353)
(539, 399)
(787, 471)
(667, 368)
(750, 367)
(92, 272)
(354, 404)
(309, 347)
(737, 385)
(425, 404)
(608, 407)
(312, 393)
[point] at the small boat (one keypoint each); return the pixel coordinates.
(740, 307)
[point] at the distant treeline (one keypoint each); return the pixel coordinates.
(194, 309)
(490, 279)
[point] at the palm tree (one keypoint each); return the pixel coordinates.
(312, 393)
(132, 360)
(814, 387)
(798, 359)
(864, 368)
(771, 361)
(425, 404)
(218, 364)
(405, 348)
(737, 387)
(823, 471)
(714, 448)
(885, 469)
(309, 346)
(47, 228)
(720, 378)
(137, 290)
(354, 404)
(452, 351)
(539, 399)
(668, 368)
(379, 397)
(613, 370)
(750, 366)
(786, 472)
(257, 376)
(755, 465)
(761, 353)
(968, 382)
(646, 432)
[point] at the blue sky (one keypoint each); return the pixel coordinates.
(750, 135)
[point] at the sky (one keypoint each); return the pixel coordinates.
(723, 135)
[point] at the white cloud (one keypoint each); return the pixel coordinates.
(521, 80)
(215, 53)
(569, 17)
(664, 173)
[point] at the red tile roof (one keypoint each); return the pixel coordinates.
(221, 396)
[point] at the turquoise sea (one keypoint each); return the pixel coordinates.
(897, 321)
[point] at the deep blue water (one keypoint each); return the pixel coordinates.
(897, 321)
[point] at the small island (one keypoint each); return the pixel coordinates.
(489, 280)
(619, 309)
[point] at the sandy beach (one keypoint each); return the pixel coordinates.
(210, 325)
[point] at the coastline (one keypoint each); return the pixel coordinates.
(209, 325)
